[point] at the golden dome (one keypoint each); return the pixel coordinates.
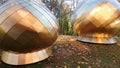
(97, 21)
(26, 27)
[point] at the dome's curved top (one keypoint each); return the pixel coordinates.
(89, 4)
(26, 26)
(29, 5)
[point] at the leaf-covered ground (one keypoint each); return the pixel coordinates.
(69, 53)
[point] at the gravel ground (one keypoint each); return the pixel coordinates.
(69, 53)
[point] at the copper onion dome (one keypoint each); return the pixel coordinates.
(97, 21)
(27, 30)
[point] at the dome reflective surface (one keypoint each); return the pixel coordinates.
(97, 21)
(26, 27)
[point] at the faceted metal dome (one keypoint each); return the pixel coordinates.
(97, 21)
(26, 27)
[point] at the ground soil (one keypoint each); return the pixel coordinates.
(70, 53)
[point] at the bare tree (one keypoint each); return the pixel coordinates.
(2, 2)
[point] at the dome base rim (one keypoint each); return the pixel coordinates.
(11, 58)
(94, 40)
